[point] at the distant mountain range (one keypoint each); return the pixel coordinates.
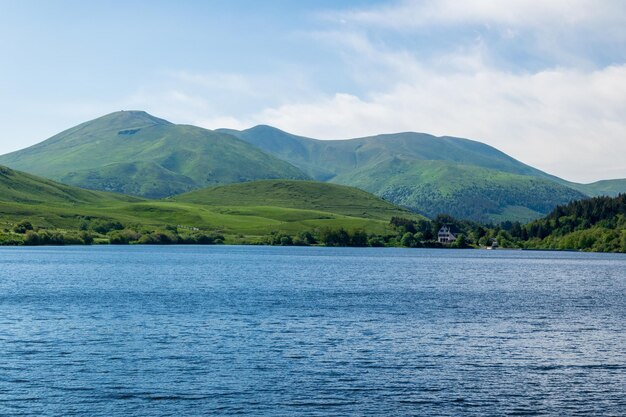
(134, 153)
(428, 174)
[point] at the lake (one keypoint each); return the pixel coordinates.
(192, 330)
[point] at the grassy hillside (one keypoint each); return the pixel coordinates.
(430, 175)
(325, 159)
(303, 195)
(283, 206)
(19, 187)
(134, 153)
(466, 191)
(137, 154)
(602, 188)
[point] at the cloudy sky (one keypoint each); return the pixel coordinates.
(542, 80)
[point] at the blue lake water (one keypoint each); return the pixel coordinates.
(119, 331)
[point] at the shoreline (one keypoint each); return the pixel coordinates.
(305, 246)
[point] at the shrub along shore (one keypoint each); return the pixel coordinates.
(115, 233)
(401, 232)
(597, 224)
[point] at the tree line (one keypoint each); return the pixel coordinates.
(106, 231)
(595, 224)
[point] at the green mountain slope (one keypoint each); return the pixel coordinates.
(148, 179)
(306, 195)
(609, 188)
(245, 211)
(325, 159)
(465, 191)
(428, 174)
(134, 153)
(19, 187)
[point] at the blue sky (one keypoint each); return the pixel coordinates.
(542, 81)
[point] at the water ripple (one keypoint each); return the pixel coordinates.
(108, 331)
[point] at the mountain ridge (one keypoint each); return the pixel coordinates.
(171, 158)
(428, 174)
(135, 153)
(266, 137)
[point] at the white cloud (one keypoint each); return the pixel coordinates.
(568, 122)
(214, 100)
(565, 116)
(216, 122)
(517, 33)
(516, 13)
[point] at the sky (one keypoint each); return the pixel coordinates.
(544, 81)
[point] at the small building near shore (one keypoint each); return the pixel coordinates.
(445, 235)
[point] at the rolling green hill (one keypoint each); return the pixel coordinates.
(19, 187)
(427, 174)
(304, 195)
(132, 152)
(241, 212)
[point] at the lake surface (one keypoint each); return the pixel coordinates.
(119, 331)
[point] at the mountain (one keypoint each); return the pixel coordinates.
(325, 159)
(428, 174)
(305, 195)
(134, 153)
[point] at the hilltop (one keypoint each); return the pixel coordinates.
(134, 153)
(326, 159)
(610, 188)
(304, 195)
(428, 174)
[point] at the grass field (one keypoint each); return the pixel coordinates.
(249, 210)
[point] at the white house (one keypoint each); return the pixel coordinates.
(445, 236)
